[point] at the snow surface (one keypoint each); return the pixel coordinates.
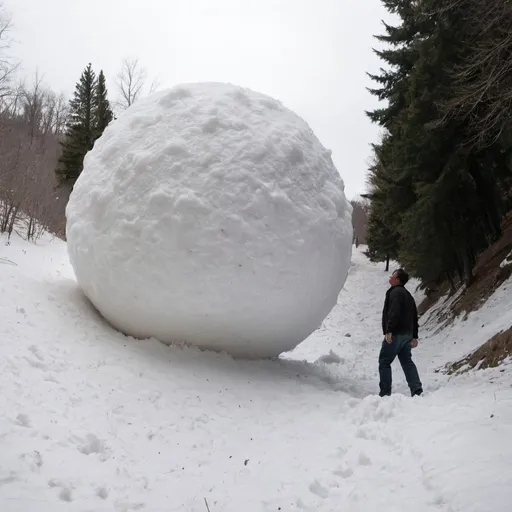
(96, 421)
(212, 215)
(507, 261)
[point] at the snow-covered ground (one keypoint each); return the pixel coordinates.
(94, 421)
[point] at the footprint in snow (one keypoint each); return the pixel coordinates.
(364, 460)
(66, 490)
(65, 494)
(23, 420)
(34, 459)
(303, 506)
(35, 350)
(36, 364)
(90, 444)
(102, 493)
(343, 471)
(317, 488)
(9, 479)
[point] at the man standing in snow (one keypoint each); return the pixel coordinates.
(400, 329)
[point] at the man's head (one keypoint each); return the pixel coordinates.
(399, 276)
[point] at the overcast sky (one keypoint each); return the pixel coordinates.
(310, 54)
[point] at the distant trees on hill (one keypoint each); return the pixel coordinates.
(43, 137)
(359, 220)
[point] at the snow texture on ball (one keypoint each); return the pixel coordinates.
(211, 215)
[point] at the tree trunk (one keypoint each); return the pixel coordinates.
(453, 289)
(467, 268)
(491, 197)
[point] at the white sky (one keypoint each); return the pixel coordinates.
(310, 54)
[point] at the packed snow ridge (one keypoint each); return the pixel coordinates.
(211, 214)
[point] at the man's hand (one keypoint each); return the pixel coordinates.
(414, 343)
(389, 337)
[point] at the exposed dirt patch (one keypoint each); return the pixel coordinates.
(493, 267)
(489, 355)
(432, 297)
(490, 271)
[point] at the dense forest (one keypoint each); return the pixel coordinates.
(441, 178)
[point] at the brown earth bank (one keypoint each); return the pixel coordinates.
(489, 274)
(489, 355)
(492, 269)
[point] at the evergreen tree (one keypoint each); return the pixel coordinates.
(400, 57)
(481, 91)
(390, 196)
(81, 131)
(391, 191)
(103, 114)
(433, 195)
(457, 209)
(433, 231)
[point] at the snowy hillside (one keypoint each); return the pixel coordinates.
(94, 421)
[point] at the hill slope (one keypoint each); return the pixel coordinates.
(95, 421)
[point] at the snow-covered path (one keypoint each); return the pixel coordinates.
(94, 421)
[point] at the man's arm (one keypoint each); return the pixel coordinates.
(396, 300)
(415, 320)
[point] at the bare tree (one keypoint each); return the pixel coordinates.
(8, 66)
(130, 82)
(33, 104)
(12, 104)
(483, 81)
(29, 200)
(32, 118)
(359, 221)
(60, 109)
(29, 146)
(43, 111)
(14, 147)
(155, 85)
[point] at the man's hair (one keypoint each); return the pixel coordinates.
(402, 275)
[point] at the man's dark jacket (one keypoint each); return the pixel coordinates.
(400, 315)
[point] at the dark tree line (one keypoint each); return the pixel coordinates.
(440, 182)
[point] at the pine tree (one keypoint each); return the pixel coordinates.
(481, 88)
(81, 131)
(433, 196)
(103, 114)
(437, 196)
(390, 186)
(390, 195)
(457, 211)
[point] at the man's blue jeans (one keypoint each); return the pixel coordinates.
(401, 347)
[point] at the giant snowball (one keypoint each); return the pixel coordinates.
(211, 215)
